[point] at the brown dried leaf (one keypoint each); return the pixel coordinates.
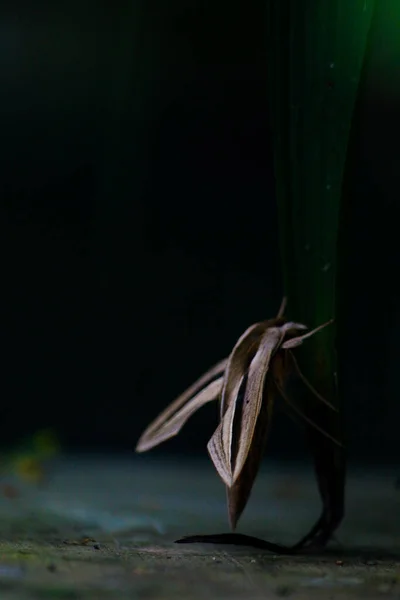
(308, 384)
(157, 431)
(216, 451)
(253, 398)
(247, 384)
(297, 341)
(231, 442)
(240, 491)
(234, 376)
(238, 362)
(303, 416)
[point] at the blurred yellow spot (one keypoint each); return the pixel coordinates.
(29, 469)
(45, 443)
(28, 460)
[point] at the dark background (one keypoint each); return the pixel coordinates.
(138, 218)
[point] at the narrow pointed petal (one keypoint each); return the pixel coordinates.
(238, 362)
(296, 341)
(173, 425)
(238, 495)
(224, 444)
(215, 372)
(216, 451)
(235, 372)
(245, 350)
(282, 308)
(304, 417)
(253, 398)
(289, 325)
(308, 384)
(290, 330)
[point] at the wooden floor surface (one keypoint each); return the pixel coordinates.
(104, 528)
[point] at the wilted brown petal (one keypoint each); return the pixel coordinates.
(219, 446)
(229, 446)
(252, 399)
(240, 491)
(296, 341)
(235, 372)
(282, 308)
(303, 416)
(238, 363)
(172, 426)
(216, 451)
(308, 384)
(222, 447)
(152, 431)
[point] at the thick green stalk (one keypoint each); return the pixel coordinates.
(315, 53)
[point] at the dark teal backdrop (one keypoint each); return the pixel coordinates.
(138, 219)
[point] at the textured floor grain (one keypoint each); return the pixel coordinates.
(103, 528)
